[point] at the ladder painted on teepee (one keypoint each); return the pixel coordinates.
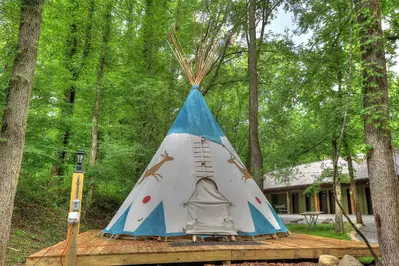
(203, 159)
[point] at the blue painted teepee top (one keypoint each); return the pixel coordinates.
(195, 118)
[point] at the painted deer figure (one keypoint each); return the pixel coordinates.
(153, 170)
(242, 169)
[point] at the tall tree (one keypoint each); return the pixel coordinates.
(255, 154)
(95, 127)
(13, 127)
(75, 66)
(339, 223)
(354, 198)
(265, 9)
(384, 184)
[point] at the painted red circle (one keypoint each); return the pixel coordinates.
(258, 200)
(146, 199)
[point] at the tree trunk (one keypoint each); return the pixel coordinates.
(100, 74)
(384, 184)
(237, 126)
(13, 130)
(255, 152)
(96, 112)
(339, 222)
(355, 199)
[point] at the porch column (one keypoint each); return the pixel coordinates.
(316, 202)
(288, 202)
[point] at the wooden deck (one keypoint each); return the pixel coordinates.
(96, 250)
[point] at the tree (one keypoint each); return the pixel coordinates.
(339, 223)
(354, 198)
(384, 184)
(95, 133)
(75, 63)
(13, 127)
(255, 154)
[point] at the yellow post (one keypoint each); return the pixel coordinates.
(73, 229)
(288, 202)
(316, 202)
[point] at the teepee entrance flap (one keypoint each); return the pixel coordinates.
(209, 211)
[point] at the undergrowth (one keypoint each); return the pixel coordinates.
(35, 227)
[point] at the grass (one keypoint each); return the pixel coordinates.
(325, 230)
(366, 260)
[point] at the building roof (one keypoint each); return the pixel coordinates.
(306, 174)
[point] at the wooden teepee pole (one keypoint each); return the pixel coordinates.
(206, 53)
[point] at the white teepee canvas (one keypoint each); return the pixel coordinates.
(195, 185)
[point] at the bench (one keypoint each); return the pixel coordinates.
(295, 221)
(328, 221)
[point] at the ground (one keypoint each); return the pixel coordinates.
(369, 229)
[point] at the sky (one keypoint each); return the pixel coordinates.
(285, 21)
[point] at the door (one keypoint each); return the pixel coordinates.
(369, 202)
(332, 201)
(323, 201)
(295, 202)
(308, 204)
(209, 211)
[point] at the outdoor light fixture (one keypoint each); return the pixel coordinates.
(79, 160)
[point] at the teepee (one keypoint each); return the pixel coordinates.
(195, 184)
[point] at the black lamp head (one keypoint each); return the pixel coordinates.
(79, 159)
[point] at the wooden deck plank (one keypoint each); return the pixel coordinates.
(90, 246)
(127, 248)
(160, 246)
(150, 246)
(142, 247)
(95, 250)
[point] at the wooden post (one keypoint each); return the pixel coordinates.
(288, 203)
(73, 230)
(316, 202)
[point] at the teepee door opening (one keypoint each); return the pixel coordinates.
(209, 211)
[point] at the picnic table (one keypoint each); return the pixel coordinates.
(311, 218)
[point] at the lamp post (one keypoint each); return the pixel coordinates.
(79, 160)
(74, 211)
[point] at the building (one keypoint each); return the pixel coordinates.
(285, 188)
